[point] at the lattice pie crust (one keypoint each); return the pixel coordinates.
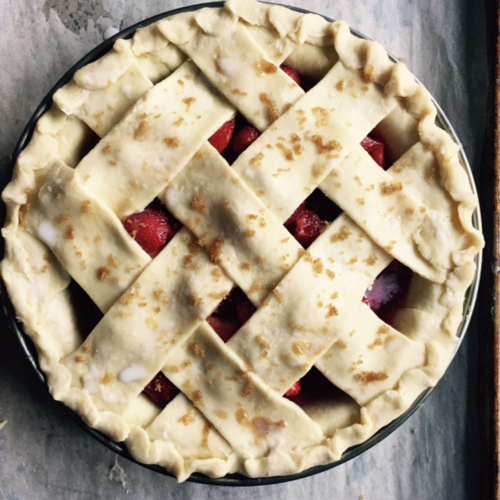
(153, 101)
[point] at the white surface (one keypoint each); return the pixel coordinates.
(434, 455)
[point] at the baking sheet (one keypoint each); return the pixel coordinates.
(435, 454)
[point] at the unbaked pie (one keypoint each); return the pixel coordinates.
(209, 258)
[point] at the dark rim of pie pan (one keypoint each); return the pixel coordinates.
(119, 448)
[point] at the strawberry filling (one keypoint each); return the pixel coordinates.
(311, 217)
(376, 149)
(244, 136)
(221, 138)
(292, 74)
(155, 226)
(306, 226)
(160, 390)
(231, 314)
(294, 390)
(152, 228)
(389, 291)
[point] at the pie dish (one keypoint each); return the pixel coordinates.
(116, 323)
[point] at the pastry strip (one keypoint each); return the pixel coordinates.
(370, 359)
(237, 66)
(229, 220)
(313, 137)
(189, 430)
(391, 215)
(401, 213)
(154, 141)
(85, 236)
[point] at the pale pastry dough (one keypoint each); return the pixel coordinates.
(149, 106)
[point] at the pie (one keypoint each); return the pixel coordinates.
(209, 258)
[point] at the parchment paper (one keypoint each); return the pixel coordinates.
(434, 455)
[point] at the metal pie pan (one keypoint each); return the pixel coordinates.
(30, 351)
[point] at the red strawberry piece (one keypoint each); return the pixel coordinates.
(306, 228)
(160, 390)
(298, 212)
(294, 390)
(244, 308)
(231, 313)
(225, 328)
(376, 149)
(389, 291)
(245, 136)
(292, 74)
(151, 228)
(221, 138)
